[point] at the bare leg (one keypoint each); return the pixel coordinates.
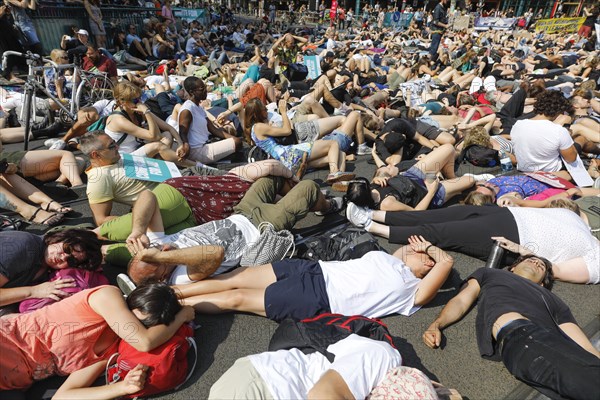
(9, 201)
(245, 300)
(25, 190)
(242, 278)
(327, 125)
(456, 186)
(325, 153)
(439, 160)
(49, 164)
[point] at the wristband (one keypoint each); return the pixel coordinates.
(427, 248)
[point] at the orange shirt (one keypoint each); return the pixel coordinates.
(56, 340)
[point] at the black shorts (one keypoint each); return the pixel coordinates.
(299, 292)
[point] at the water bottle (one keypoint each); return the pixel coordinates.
(495, 256)
(505, 162)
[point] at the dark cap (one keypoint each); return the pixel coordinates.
(330, 54)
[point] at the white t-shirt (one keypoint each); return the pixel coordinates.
(198, 134)
(234, 234)
(559, 235)
(375, 285)
(538, 144)
(361, 362)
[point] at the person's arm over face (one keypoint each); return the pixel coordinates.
(451, 313)
(108, 302)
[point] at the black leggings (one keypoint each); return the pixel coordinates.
(465, 229)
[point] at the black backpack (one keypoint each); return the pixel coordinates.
(479, 156)
(339, 244)
(153, 106)
(317, 333)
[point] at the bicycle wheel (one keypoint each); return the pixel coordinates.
(93, 89)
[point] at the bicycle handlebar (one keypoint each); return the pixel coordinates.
(29, 55)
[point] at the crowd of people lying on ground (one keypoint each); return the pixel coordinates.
(416, 103)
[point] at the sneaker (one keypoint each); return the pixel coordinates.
(50, 142)
(481, 177)
(335, 205)
(339, 176)
(358, 216)
(363, 150)
(489, 83)
(125, 284)
(58, 145)
(476, 84)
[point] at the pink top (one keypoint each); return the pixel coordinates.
(167, 13)
(56, 340)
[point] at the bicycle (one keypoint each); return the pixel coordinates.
(90, 87)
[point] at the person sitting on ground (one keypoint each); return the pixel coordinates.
(317, 154)
(26, 259)
(522, 323)
(418, 188)
(195, 128)
(148, 318)
(124, 125)
(540, 143)
(95, 61)
(293, 288)
(560, 235)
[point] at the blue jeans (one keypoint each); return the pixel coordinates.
(436, 38)
(548, 361)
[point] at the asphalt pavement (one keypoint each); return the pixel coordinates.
(223, 339)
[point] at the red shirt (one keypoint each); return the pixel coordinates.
(104, 64)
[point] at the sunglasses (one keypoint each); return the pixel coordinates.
(113, 145)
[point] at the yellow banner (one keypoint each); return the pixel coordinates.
(559, 25)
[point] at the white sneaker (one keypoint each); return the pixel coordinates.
(481, 177)
(476, 84)
(50, 142)
(58, 145)
(125, 284)
(358, 216)
(363, 150)
(489, 83)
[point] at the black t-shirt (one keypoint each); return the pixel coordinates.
(21, 256)
(341, 94)
(402, 189)
(401, 126)
(503, 292)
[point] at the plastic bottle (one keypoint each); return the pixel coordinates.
(505, 162)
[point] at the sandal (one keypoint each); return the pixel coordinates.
(52, 220)
(62, 209)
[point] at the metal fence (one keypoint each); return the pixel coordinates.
(53, 20)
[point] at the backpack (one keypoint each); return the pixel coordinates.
(153, 106)
(339, 244)
(479, 156)
(168, 363)
(317, 333)
(100, 125)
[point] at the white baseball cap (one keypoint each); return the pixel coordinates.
(83, 32)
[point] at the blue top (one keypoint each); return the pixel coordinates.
(522, 184)
(290, 156)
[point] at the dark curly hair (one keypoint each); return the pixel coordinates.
(80, 240)
(552, 103)
(548, 279)
(158, 301)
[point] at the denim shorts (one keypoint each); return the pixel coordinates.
(418, 176)
(343, 140)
